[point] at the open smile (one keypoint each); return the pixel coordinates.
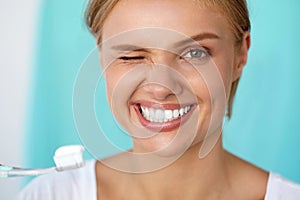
(163, 117)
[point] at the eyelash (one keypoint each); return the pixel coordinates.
(204, 53)
(128, 58)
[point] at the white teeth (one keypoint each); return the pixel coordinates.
(143, 110)
(158, 115)
(168, 114)
(181, 111)
(187, 109)
(175, 114)
(151, 115)
(146, 113)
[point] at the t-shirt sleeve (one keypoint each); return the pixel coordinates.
(280, 188)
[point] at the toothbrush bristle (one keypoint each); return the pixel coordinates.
(69, 157)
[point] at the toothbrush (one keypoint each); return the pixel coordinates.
(65, 158)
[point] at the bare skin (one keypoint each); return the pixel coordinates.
(220, 175)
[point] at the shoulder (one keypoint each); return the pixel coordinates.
(246, 179)
(281, 188)
(74, 184)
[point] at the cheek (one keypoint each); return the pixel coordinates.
(209, 81)
(227, 78)
(112, 77)
(122, 82)
(200, 88)
(226, 67)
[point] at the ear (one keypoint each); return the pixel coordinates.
(242, 56)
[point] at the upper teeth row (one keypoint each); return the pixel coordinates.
(158, 115)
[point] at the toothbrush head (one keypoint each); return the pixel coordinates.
(69, 157)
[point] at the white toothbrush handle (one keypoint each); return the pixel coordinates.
(25, 172)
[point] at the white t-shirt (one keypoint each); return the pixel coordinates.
(280, 188)
(80, 184)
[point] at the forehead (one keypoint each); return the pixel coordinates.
(185, 16)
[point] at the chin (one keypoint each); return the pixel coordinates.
(165, 144)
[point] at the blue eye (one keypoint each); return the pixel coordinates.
(195, 54)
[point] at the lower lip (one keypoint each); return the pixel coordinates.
(164, 126)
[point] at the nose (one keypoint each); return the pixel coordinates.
(162, 82)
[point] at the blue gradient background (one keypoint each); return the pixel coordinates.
(264, 128)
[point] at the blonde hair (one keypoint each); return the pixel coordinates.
(235, 11)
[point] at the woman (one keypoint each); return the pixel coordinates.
(172, 68)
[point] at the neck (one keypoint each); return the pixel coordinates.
(188, 176)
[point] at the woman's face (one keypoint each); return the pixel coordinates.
(158, 80)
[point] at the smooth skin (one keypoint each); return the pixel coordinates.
(220, 175)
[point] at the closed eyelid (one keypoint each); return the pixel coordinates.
(131, 57)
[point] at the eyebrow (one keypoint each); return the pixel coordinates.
(198, 37)
(128, 47)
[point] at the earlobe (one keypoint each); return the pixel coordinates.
(242, 56)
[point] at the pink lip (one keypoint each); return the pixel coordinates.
(164, 126)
